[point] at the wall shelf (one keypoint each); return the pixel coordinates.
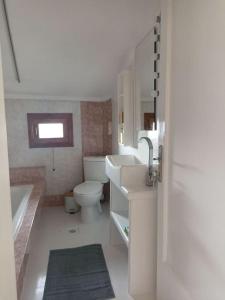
(135, 206)
(121, 221)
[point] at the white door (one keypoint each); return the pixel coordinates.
(191, 207)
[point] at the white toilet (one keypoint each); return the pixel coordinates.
(89, 193)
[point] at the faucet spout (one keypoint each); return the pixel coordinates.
(150, 180)
(150, 147)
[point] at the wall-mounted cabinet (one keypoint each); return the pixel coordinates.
(125, 93)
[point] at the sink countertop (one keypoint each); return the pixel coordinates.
(142, 191)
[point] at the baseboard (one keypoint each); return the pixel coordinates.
(53, 200)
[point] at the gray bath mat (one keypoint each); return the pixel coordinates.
(78, 274)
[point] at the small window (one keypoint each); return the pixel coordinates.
(50, 130)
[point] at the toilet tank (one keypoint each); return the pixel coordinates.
(94, 169)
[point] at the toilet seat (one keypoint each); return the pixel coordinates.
(88, 188)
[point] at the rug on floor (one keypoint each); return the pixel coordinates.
(78, 274)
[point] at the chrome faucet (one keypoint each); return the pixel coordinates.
(151, 178)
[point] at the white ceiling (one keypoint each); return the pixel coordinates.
(71, 49)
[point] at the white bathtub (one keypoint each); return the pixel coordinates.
(19, 200)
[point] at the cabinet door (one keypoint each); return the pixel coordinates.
(125, 108)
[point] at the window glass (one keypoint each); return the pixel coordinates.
(50, 131)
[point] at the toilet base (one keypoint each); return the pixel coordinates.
(90, 214)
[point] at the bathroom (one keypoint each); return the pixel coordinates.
(59, 187)
(105, 179)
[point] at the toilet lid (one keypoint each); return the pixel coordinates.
(88, 187)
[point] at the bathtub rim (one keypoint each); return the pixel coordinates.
(17, 219)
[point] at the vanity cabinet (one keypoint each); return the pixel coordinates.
(133, 211)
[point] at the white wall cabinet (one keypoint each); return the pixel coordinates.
(125, 94)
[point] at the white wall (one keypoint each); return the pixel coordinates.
(195, 265)
(147, 105)
(68, 161)
(7, 269)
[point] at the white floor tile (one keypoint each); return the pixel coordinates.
(53, 232)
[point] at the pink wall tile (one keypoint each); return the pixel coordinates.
(26, 175)
(95, 119)
(107, 123)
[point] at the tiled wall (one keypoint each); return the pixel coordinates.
(94, 136)
(96, 124)
(68, 161)
(26, 175)
(107, 127)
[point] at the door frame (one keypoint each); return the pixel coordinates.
(7, 258)
(163, 119)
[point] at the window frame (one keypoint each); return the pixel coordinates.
(34, 119)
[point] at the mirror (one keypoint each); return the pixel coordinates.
(145, 83)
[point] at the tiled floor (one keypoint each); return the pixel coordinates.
(53, 233)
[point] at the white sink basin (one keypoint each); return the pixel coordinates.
(125, 170)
